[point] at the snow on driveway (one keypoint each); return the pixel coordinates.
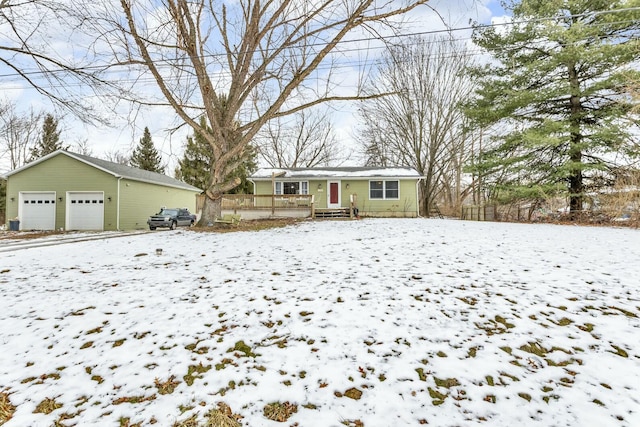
(378, 322)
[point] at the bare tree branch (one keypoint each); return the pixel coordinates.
(421, 125)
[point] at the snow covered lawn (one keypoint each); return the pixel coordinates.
(373, 322)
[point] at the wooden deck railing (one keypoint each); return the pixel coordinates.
(268, 201)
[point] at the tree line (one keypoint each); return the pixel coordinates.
(541, 107)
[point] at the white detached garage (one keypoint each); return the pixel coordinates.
(85, 210)
(37, 210)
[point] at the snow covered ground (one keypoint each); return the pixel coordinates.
(389, 322)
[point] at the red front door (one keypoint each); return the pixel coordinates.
(333, 193)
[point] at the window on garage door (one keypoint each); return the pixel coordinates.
(85, 211)
(38, 210)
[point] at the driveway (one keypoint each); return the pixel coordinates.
(13, 241)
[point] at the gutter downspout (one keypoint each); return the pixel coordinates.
(118, 205)
(418, 196)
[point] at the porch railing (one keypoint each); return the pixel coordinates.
(238, 202)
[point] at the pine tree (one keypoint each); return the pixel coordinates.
(49, 140)
(195, 166)
(145, 156)
(555, 97)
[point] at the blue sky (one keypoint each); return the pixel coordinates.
(495, 8)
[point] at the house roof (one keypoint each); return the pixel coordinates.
(341, 172)
(115, 169)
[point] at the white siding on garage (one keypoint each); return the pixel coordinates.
(85, 210)
(37, 210)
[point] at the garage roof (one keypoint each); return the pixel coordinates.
(115, 169)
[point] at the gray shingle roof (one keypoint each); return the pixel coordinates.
(336, 172)
(119, 170)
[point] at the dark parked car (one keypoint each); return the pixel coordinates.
(171, 218)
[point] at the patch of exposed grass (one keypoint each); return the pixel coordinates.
(224, 362)
(623, 311)
(619, 351)
(279, 411)
(166, 387)
(437, 398)
(490, 398)
(192, 421)
(353, 393)
(468, 300)
(133, 399)
(352, 423)
(6, 408)
(126, 422)
(47, 406)
(525, 396)
(447, 382)
(222, 416)
(497, 325)
(507, 350)
(587, 327)
(421, 374)
(241, 347)
(195, 349)
(503, 321)
(534, 348)
(193, 372)
(563, 322)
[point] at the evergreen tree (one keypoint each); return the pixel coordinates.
(195, 166)
(145, 156)
(556, 93)
(49, 140)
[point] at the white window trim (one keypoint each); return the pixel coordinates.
(302, 185)
(384, 189)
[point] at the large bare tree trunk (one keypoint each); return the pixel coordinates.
(237, 64)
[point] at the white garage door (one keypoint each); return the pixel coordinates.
(85, 210)
(37, 210)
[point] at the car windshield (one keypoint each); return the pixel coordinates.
(168, 212)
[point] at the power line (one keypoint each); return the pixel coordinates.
(344, 64)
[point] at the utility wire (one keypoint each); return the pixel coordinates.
(343, 64)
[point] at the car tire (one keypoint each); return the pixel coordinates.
(173, 225)
(192, 224)
(151, 228)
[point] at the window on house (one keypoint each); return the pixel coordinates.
(301, 187)
(383, 190)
